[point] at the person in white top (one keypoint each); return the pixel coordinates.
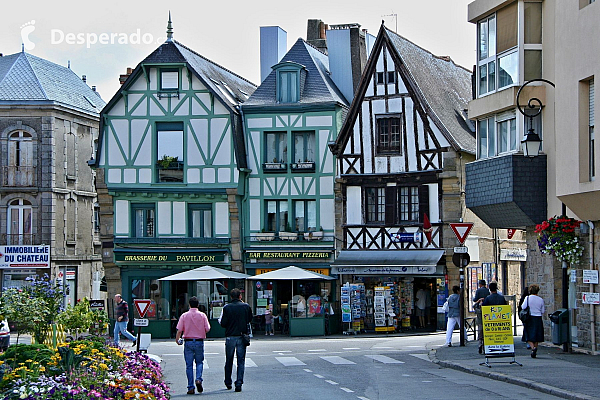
(534, 325)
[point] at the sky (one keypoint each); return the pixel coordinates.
(226, 32)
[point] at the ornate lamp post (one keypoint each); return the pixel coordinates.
(531, 143)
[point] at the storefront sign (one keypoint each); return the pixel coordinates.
(289, 254)
(322, 271)
(97, 304)
(497, 331)
(590, 298)
(182, 257)
(25, 256)
(590, 276)
(513, 255)
(384, 270)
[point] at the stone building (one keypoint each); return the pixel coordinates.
(48, 127)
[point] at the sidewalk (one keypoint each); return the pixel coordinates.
(571, 376)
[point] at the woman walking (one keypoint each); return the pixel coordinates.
(534, 326)
(453, 314)
(519, 308)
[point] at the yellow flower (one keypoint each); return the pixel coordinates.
(42, 368)
(30, 360)
(103, 366)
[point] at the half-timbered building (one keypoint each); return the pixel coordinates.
(401, 153)
(173, 161)
(289, 121)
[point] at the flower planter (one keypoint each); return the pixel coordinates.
(265, 236)
(307, 166)
(313, 235)
(288, 236)
(274, 167)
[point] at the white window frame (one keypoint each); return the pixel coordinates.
(21, 226)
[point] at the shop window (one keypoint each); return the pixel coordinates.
(200, 220)
(389, 133)
(305, 215)
(143, 220)
(277, 216)
(20, 214)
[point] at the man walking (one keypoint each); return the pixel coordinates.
(122, 313)
(495, 298)
(480, 295)
(235, 319)
(193, 325)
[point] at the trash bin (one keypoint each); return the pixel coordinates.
(560, 326)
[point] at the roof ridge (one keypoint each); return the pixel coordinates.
(427, 51)
(313, 46)
(34, 74)
(214, 63)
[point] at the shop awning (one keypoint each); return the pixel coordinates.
(205, 273)
(393, 261)
(290, 273)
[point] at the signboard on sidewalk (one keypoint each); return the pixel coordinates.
(497, 331)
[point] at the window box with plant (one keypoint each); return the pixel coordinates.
(288, 234)
(265, 236)
(317, 235)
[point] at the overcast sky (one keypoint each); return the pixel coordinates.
(227, 31)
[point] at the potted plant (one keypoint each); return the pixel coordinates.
(557, 237)
(288, 234)
(166, 161)
(265, 236)
(317, 235)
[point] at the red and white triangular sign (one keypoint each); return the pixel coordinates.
(511, 232)
(141, 306)
(461, 230)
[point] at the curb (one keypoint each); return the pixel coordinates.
(540, 387)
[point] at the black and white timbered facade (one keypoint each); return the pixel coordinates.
(400, 154)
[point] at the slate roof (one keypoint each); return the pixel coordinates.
(25, 77)
(318, 87)
(444, 86)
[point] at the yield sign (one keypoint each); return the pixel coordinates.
(141, 306)
(511, 233)
(461, 230)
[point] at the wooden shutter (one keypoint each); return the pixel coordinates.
(423, 201)
(506, 27)
(391, 205)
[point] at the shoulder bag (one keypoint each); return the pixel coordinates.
(246, 337)
(525, 312)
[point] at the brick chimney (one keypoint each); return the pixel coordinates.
(315, 34)
(123, 77)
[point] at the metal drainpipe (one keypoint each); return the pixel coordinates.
(592, 310)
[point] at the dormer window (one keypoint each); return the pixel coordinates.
(289, 78)
(169, 79)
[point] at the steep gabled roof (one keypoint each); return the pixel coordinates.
(318, 87)
(25, 77)
(443, 88)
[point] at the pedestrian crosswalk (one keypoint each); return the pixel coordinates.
(289, 361)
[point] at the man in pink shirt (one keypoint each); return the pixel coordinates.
(193, 325)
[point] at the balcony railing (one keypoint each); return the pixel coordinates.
(18, 176)
(13, 239)
(186, 241)
(362, 237)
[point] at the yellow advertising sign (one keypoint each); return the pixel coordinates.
(497, 331)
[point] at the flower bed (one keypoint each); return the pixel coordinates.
(557, 237)
(83, 369)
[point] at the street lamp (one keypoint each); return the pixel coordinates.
(531, 143)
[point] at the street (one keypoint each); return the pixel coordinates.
(336, 368)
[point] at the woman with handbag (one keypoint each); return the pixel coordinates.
(453, 305)
(519, 308)
(534, 326)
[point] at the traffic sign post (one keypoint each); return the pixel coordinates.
(461, 230)
(142, 306)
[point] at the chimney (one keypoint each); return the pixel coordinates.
(347, 47)
(94, 88)
(84, 78)
(123, 77)
(273, 46)
(315, 34)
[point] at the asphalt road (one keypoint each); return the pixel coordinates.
(335, 368)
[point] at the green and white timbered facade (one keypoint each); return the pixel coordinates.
(173, 160)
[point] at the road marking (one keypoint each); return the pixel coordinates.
(422, 356)
(347, 390)
(318, 350)
(212, 354)
(362, 398)
(172, 354)
(250, 363)
(282, 351)
(405, 375)
(382, 347)
(384, 359)
(337, 360)
(319, 376)
(289, 361)
(307, 370)
(426, 381)
(415, 346)
(332, 382)
(351, 348)
(205, 364)
(250, 352)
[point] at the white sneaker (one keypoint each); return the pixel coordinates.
(266, 334)
(272, 334)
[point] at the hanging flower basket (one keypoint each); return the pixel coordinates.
(557, 237)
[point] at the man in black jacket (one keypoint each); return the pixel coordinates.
(494, 299)
(235, 319)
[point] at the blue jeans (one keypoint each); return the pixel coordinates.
(121, 327)
(234, 344)
(193, 351)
